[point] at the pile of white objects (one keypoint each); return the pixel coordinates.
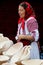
(15, 54)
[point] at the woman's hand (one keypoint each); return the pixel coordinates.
(20, 37)
(27, 37)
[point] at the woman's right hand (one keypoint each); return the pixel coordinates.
(17, 39)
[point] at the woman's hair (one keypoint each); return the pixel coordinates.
(28, 9)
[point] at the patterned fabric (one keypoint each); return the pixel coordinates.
(32, 26)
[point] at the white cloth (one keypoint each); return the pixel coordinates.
(34, 52)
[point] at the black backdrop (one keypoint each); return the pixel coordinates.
(9, 17)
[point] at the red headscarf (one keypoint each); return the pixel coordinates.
(28, 13)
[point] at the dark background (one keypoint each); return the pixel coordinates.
(9, 17)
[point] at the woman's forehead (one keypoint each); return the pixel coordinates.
(21, 7)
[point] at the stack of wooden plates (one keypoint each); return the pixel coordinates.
(15, 48)
(5, 43)
(23, 54)
(3, 59)
(9, 64)
(32, 62)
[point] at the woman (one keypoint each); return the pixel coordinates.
(28, 28)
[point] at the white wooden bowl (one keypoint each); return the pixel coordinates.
(15, 48)
(3, 59)
(32, 62)
(9, 64)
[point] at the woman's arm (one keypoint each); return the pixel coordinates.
(27, 37)
(32, 26)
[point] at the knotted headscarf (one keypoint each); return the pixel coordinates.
(29, 12)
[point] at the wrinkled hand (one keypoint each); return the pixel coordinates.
(20, 37)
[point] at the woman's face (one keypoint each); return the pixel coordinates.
(21, 12)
